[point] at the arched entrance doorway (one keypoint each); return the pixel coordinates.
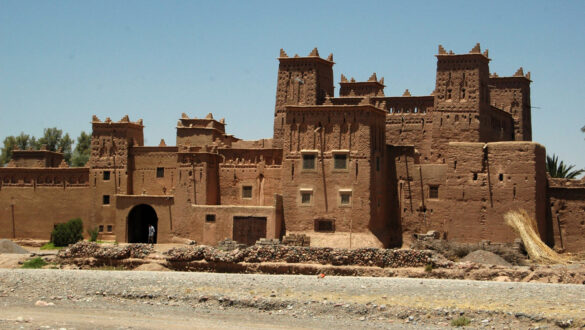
(139, 218)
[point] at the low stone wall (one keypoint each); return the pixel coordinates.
(85, 249)
(296, 240)
(384, 258)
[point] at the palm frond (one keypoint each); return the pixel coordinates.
(561, 170)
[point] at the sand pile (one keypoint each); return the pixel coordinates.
(485, 257)
(7, 246)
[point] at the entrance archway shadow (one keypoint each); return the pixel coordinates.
(140, 217)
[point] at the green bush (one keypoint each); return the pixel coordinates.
(93, 234)
(34, 263)
(51, 246)
(461, 321)
(67, 233)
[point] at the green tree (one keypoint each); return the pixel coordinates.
(22, 141)
(561, 170)
(54, 139)
(82, 150)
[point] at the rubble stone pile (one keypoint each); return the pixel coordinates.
(268, 241)
(511, 252)
(296, 240)
(229, 244)
(293, 254)
(85, 249)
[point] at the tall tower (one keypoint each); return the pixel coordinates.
(512, 94)
(461, 103)
(108, 162)
(301, 81)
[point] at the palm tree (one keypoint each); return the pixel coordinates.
(560, 170)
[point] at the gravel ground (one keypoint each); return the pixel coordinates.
(92, 299)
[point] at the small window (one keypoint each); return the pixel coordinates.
(434, 192)
(345, 197)
(474, 176)
(160, 172)
(101, 228)
(501, 177)
(247, 192)
(306, 197)
(210, 218)
(340, 161)
(448, 94)
(106, 175)
(309, 162)
(109, 228)
(324, 225)
(106, 199)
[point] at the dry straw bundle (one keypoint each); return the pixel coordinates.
(525, 226)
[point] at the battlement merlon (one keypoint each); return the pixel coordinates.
(313, 56)
(124, 122)
(475, 53)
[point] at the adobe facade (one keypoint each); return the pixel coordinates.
(360, 169)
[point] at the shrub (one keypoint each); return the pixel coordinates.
(428, 268)
(93, 234)
(51, 246)
(461, 321)
(34, 263)
(67, 233)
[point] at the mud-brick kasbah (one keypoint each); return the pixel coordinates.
(358, 170)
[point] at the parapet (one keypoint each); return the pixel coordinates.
(565, 183)
(518, 75)
(475, 51)
(125, 121)
(36, 158)
(352, 88)
(313, 56)
(208, 122)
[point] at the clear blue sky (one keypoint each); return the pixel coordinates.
(63, 61)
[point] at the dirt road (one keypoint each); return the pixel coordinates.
(131, 299)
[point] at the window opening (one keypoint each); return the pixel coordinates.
(340, 161)
(106, 199)
(308, 162)
(106, 175)
(210, 218)
(160, 172)
(345, 197)
(247, 192)
(324, 225)
(434, 191)
(306, 197)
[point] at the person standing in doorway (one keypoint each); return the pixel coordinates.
(151, 232)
